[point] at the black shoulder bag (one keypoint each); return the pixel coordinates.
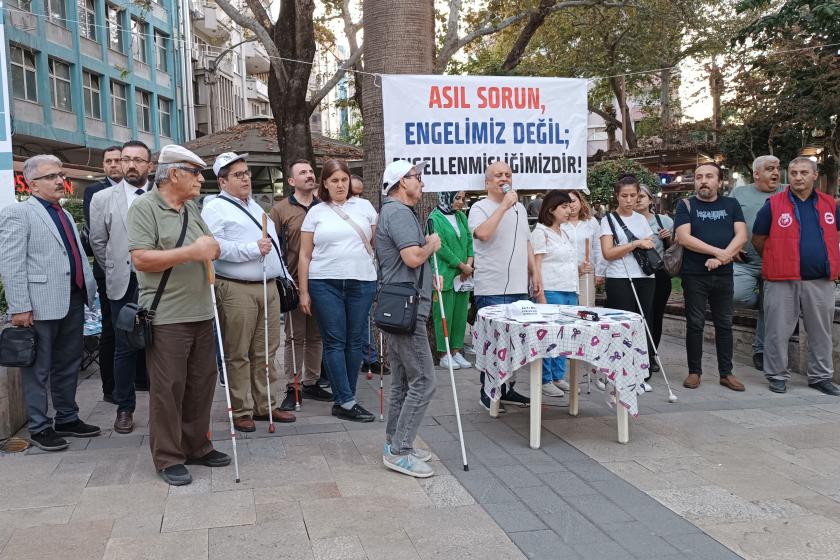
(648, 259)
(17, 347)
(287, 289)
(136, 321)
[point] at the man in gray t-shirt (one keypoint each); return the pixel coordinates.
(747, 275)
(403, 252)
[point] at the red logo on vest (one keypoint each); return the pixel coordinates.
(829, 218)
(785, 220)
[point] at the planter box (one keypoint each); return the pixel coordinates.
(12, 406)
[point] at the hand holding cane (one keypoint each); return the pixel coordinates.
(265, 329)
(438, 288)
(211, 280)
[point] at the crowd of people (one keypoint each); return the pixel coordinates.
(157, 252)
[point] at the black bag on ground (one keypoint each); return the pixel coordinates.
(648, 259)
(136, 321)
(289, 296)
(17, 347)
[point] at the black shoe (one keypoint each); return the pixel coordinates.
(511, 396)
(825, 386)
(221, 379)
(485, 402)
(212, 459)
(758, 361)
(654, 368)
(77, 428)
(355, 414)
(316, 393)
(288, 403)
(176, 475)
(48, 440)
(376, 367)
(108, 399)
(778, 386)
(141, 388)
(323, 382)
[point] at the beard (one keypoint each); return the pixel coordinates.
(705, 194)
(138, 181)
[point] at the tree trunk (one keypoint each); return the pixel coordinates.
(294, 36)
(716, 89)
(403, 43)
(665, 104)
(617, 86)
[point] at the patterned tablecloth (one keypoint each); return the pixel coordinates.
(614, 345)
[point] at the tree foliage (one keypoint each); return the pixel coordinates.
(602, 177)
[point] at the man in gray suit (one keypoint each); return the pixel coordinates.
(48, 282)
(109, 241)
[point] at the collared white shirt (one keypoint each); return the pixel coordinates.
(237, 235)
(113, 182)
(131, 192)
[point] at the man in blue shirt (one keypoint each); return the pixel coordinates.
(796, 232)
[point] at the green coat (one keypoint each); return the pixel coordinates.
(453, 249)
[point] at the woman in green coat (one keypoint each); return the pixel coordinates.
(455, 259)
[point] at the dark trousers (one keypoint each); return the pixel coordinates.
(715, 290)
(661, 293)
(620, 296)
(182, 372)
(129, 364)
(57, 362)
(106, 337)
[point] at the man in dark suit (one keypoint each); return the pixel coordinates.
(112, 168)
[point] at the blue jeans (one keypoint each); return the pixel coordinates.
(125, 357)
(554, 369)
(486, 301)
(369, 355)
(341, 308)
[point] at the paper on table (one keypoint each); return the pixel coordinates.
(463, 286)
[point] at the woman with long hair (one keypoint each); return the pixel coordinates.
(337, 280)
(618, 249)
(661, 225)
(557, 261)
(455, 260)
(580, 227)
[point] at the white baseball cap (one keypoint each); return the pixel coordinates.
(173, 153)
(398, 169)
(225, 159)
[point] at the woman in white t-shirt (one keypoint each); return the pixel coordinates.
(338, 281)
(556, 258)
(582, 226)
(618, 252)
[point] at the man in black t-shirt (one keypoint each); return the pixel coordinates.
(712, 233)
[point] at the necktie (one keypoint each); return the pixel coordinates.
(138, 192)
(74, 248)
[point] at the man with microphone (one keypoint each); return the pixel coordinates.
(504, 258)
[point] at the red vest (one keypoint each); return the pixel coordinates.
(780, 260)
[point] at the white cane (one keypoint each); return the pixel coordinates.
(211, 279)
(438, 288)
(265, 329)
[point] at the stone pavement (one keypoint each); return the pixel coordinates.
(717, 475)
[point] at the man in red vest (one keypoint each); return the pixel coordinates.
(795, 232)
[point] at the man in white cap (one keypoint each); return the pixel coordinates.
(235, 220)
(403, 252)
(169, 240)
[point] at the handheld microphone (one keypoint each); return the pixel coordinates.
(506, 189)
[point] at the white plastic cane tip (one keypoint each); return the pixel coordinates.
(297, 408)
(672, 398)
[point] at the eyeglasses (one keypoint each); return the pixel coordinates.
(242, 174)
(418, 176)
(136, 161)
(194, 170)
(51, 177)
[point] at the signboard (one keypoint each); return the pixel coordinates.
(461, 124)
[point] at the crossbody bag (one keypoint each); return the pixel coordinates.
(289, 295)
(648, 259)
(136, 321)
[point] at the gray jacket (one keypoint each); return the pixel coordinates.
(34, 264)
(109, 238)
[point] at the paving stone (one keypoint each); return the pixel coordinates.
(257, 541)
(545, 545)
(111, 502)
(566, 484)
(710, 504)
(184, 545)
(85, 540)
(637, 539)
(137, 525)
(607, 550)
(292, 493)
(445, 491)
(320, 428)
(376, 481)
(809, 538)
(35, 517)
(370, 515)
(514, 517)
(597, 508)
(395, 545)
(40, 493)
(486, 488)
(701, 545)
(202, 511)
(517, 476)
(134, 440)
(338, 548)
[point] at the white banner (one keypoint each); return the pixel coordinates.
(461, 124)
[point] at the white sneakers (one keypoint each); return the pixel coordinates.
(458, 361)
(563, 384)
(552, 390)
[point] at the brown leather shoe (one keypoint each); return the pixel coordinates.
(124, 424)
(244, 424)
(732, 382)
(692, 381)
(280, 416)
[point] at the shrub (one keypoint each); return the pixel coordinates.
(602, 177)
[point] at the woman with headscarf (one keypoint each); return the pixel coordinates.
(455, 260)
